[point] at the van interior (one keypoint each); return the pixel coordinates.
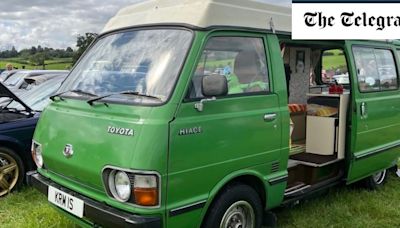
(318, 118)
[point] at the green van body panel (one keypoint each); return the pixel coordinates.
(226, 122)
(375, 139)
(82, 172)
(234, 140)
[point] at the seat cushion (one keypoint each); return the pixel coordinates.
(297, 108)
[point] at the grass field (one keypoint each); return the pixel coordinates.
(53, 64)
(333, 61)
(340, 207)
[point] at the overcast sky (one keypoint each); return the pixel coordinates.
(56, 23)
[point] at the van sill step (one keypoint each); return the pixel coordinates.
(296, 189)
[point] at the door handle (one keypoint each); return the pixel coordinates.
(269, 117)
(363, 110)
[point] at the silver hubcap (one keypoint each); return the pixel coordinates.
(379, 177)
(238, 215)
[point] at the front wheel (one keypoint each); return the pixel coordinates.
(238, 206)
(375, 181)
(11, 171)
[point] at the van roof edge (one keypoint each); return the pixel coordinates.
(203, 14)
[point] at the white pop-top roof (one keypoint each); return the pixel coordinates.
(203, 14)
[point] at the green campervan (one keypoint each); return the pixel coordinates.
(204, 113)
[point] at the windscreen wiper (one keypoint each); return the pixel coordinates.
(127, 92)
(73, 91)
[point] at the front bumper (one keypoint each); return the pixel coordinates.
(97, 213)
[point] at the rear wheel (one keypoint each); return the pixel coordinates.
(239, 206)
(375, 181)
(11, 171)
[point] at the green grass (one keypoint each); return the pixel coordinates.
(340, 207)
(347, 207)
(53, 64)
(335, 51)
(333, 61)
(219, 63)
(28, 208)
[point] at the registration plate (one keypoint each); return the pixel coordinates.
(65, 201)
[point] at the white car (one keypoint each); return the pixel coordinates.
(342, 78)
(16, 81)
(6, 74)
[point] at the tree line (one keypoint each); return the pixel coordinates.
(38, 55)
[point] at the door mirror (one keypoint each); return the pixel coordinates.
(214, 85)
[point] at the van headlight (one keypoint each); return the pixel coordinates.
(120, 185)
(133, 187)
(145, 190)
(37, 154)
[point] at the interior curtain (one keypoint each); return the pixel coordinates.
(315, 57)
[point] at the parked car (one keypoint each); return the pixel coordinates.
(6, 74)
(18, 118)
(341, 78)
(31, 82)
(16, 81)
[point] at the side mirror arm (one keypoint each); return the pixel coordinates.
(200, 105)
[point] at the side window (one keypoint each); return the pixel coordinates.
(241, 60)
(376, 69)
(386, 69)
(334, 67)
(24, 85)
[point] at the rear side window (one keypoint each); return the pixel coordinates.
(241, 60)
(376, 69)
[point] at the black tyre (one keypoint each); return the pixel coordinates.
(238, 205)
(375, 181)
(11, 171)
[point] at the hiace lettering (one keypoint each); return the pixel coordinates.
(190, 131)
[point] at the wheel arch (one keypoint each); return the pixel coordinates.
(248, 177)
(18, 148)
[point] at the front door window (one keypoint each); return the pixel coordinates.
(241, 60)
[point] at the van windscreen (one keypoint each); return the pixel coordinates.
(145, 62)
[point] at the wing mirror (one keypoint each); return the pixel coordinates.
(212, 86)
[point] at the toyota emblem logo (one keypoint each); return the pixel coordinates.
(68, 151)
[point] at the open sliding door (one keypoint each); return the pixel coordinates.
(375, 116)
